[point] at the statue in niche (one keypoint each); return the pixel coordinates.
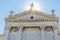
(48, 28)
(14, 33)
(49, 32)
(14, 29)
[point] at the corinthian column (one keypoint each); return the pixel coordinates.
(42, 33)
(55, 33)
(20, 33)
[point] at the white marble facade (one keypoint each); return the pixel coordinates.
(31, 25)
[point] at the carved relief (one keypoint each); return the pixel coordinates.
(48, 28)
(14, 29)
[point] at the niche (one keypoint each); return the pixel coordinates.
(14, 29)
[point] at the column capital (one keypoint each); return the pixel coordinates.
(42, 28)
(54, 28)
(21, 28)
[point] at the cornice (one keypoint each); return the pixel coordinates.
(31, 20)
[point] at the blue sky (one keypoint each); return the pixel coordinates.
(21, 5)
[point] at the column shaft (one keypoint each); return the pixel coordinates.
(21, 35)
(42, 34)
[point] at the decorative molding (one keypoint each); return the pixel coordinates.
(31, 20)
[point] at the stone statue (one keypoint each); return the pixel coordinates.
(32, 5)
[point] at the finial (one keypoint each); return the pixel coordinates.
(53, 12)
(11, 13)
(32, 5)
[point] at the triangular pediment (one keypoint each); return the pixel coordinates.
(33, 12)
(32, 15)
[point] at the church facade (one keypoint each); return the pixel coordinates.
(31, 25)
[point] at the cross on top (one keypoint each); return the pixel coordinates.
(32, 5)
